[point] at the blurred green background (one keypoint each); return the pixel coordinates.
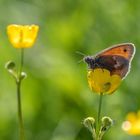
(55, 96)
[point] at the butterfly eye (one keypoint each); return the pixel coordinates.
(88, 59)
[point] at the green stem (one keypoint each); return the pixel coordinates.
(98, 117)
(21, 128)
(18, 83)
(100, 107)
(21, 61)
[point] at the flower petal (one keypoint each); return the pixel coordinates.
(115, 81)
(29, 35)
(22, 36)
(101, 81)
(101, 76)
(14, 34)
(92, 85)
(132, 123)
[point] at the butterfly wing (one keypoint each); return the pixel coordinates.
(126, 50)
(117, 59)
(115, 64)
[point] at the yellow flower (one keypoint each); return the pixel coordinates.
(132, 123)
(100, 81)
(22, 36)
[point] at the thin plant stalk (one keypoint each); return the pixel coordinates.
(100, 107)
(98, 117)
(21, 61)
(19, 105)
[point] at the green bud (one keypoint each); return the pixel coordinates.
(89, 123)
(10, 65)
(107, 122)
(23, 75)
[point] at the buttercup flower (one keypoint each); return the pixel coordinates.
(101, 82)
(132, 123)
(22, 36)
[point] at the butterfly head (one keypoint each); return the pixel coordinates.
(90, 61)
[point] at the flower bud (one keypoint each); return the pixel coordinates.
(10, 65)
(107, 122)
(89, 123)
(23, 75)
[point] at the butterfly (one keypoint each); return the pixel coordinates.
(117, 59)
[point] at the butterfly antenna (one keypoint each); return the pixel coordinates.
(81, 53)
(78, 52)
(80, 61)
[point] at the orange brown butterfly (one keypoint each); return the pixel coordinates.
(117, 59)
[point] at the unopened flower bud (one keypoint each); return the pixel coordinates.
(89, 123)
(23, 75)
(10, 65)
(107, 122)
